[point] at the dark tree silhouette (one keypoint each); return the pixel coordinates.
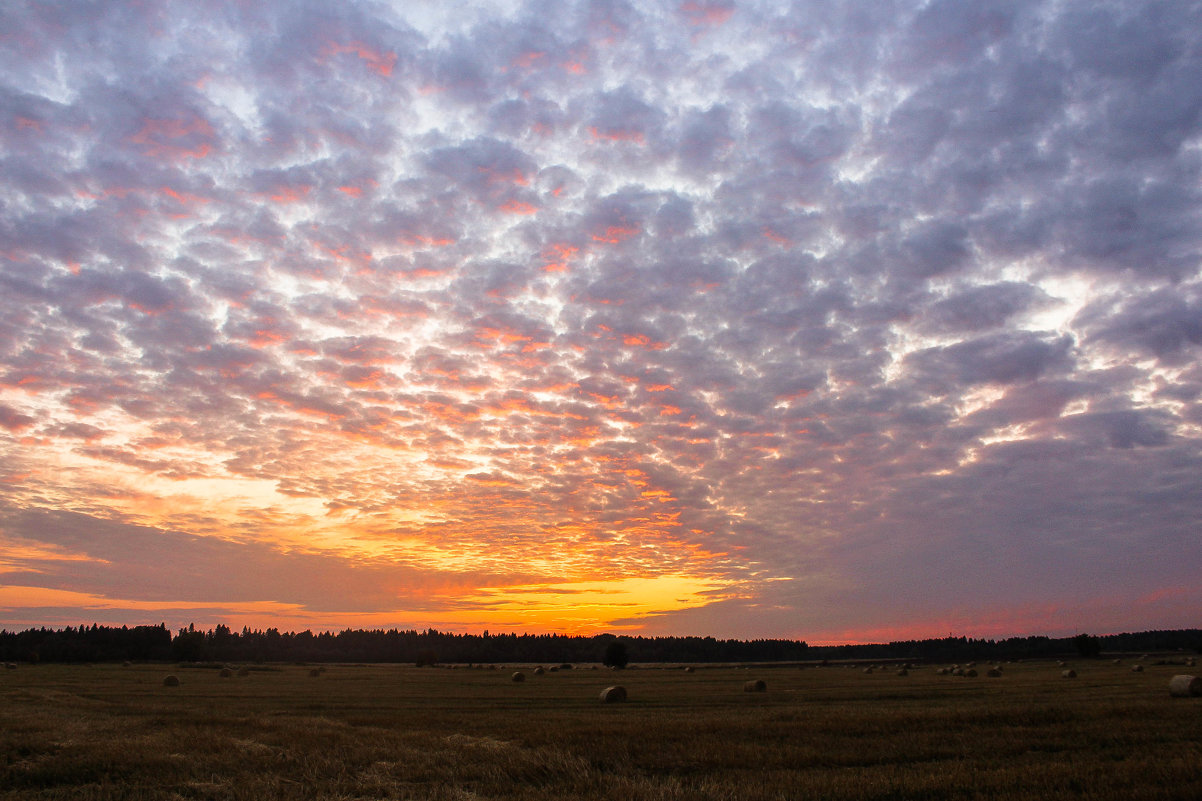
(94, 643)
(1087, 646)
(615, 655)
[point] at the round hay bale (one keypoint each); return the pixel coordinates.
(756, 686)
(314, 672)
(243, 671)
(553, 669)
(567, 666)
(171, 681)
(538, 671)
(903, 672)
(518, 676)
(868, 671)
(1185, 686)
(971, 673)
(1137, 668)
(226, 673)
(942, 672)
(994, 673)
(1117, 662)
(126, 663)
(957, 671)
(689, 669)
(613, 695)
(1068, 674)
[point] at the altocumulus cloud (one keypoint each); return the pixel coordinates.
(832, 320)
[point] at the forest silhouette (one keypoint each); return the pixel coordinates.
(97, 643)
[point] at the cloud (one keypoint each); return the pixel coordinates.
(1161, 323)
(795, 307)
(1000, 359)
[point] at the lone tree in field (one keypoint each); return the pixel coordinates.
(615, 655)
(1088, 646)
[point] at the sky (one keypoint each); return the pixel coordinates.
(829, 320)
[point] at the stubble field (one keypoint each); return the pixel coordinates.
(401, 732)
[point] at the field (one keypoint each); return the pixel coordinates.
(387, 731)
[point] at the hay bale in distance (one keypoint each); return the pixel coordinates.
(903, 672)
(314, 672)
(538, 671)
(756, 686)
(994, 673)
(172, 680)
(971, 673)
(1068, 674)
(226, 673)
(613, 695)
(1137, 668)
(689, 669)
(518, 676)
(1185, 686)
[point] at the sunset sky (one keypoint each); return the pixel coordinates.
(840, 321)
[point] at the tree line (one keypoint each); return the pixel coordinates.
(97, 643)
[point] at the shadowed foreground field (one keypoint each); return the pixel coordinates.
(375, 732)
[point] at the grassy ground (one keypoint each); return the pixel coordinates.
(375, 732)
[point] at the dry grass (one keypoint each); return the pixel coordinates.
(376, 732)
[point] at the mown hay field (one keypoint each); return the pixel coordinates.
(401, 732)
